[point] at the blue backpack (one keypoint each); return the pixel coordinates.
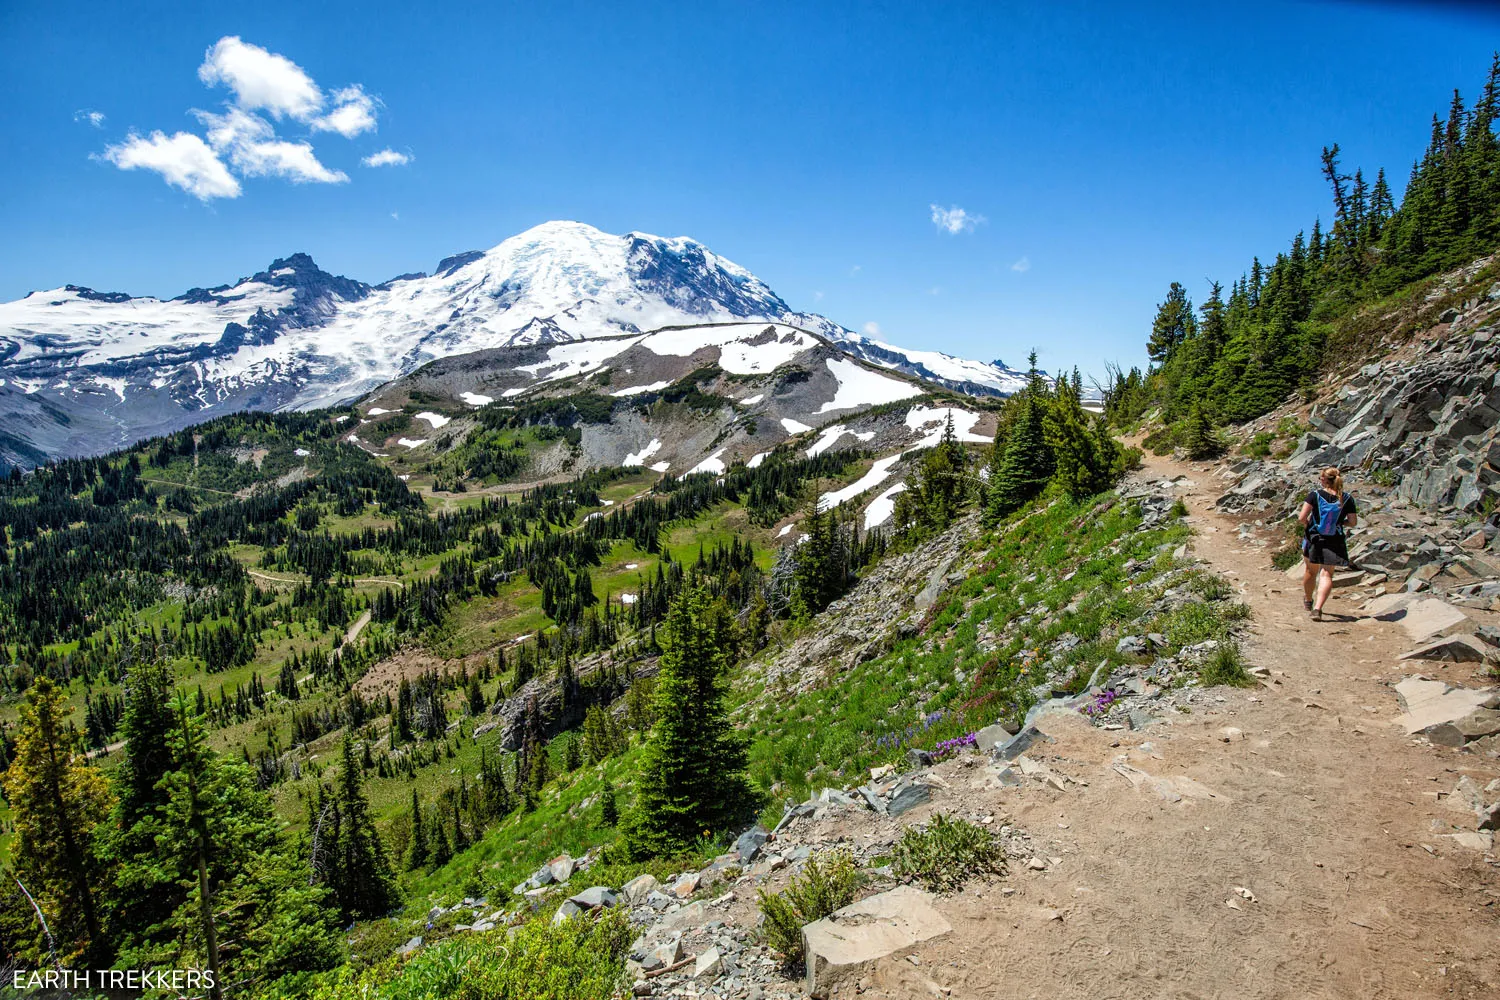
(1329, 513)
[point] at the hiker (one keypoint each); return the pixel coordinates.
(1325, 514)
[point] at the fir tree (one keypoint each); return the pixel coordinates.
(1028, 463)
(692, 776)
(610, 812)
(1200, 441)
(1173, 325)
(416, 853)
(58, 803)
(360, 877)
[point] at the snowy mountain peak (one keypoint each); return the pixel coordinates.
(295, 335)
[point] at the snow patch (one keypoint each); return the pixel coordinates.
(713, 463)
(636, 390)
(627, 598)
(756, 459)
(786, 530)
(411, 442)
(476, 399)
(879, 473)
(511, 392)
(435, 419)
(752, 400)
(639, 457)
(301, 452)
(794, 426)
(882, 507)
(376, 411)
(661, 466)
(826, 440)
(931, 421)
(858, 386)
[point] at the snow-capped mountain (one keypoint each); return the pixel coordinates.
(83, 371)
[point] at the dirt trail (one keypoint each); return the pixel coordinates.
(1324, 811)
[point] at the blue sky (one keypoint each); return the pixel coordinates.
(1097, 154)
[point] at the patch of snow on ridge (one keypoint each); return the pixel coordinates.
(752, 400)
(661, 466)
(826, 440)
(786, 530)
(435, 419)
(879, 473)
(882, 507)
(627, 598)
(114, 385)
(476, 399)
(713, 463)
(756, 459)
(639, 457)
(932, 421)
(858, 386)
(794, 426)
(301, 452)
(638, 389)
(376, 411)
(411, 442)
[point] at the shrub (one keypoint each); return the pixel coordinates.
(1179, 509)
(1226, 665)
(1286, 558)
(826, 884)
(947, 854)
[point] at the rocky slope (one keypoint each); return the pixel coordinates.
(82, 372)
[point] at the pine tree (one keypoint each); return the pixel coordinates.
(692, 776)
(416, 853)
(1200, 441)
(58, 803)
(1172, 326)
(360, 877)
(477, 703)
(610, 810)
(1028, 463)
(572, 758)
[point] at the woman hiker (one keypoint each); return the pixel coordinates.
(1325, 514)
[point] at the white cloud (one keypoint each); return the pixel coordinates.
(265, 87)
(954, 220)
(935, 290)
(94, 118)
(855, 270)
(353, 113)
(261, 79)
(817, 296)
(872, 329)
(1022, 266)
(254, 150)
(183, 160)
(386, 158)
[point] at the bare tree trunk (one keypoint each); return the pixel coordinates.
(210, 932)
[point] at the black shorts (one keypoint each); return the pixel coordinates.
(1326, 550)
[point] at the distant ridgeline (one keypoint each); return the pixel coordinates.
(1237, 359)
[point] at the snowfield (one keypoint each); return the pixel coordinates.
(858, 386)
(713, 463)
(931, 422)
(879, 473)
(794, 426)
(639, 457)
(882, 507)
(475, 399)
(435, 419)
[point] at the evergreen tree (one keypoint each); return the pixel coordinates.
(58, 803)
(610, 810)
(416, 853)
(1173, 325)
(692, 776)
(1028, 463)
(1200, 441)
(477, 703)
(360, 875)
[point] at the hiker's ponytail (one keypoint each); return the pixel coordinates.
(1333, 479)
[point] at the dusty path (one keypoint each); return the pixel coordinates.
(1325, 813)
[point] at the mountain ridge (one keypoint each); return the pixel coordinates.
(83, 371)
